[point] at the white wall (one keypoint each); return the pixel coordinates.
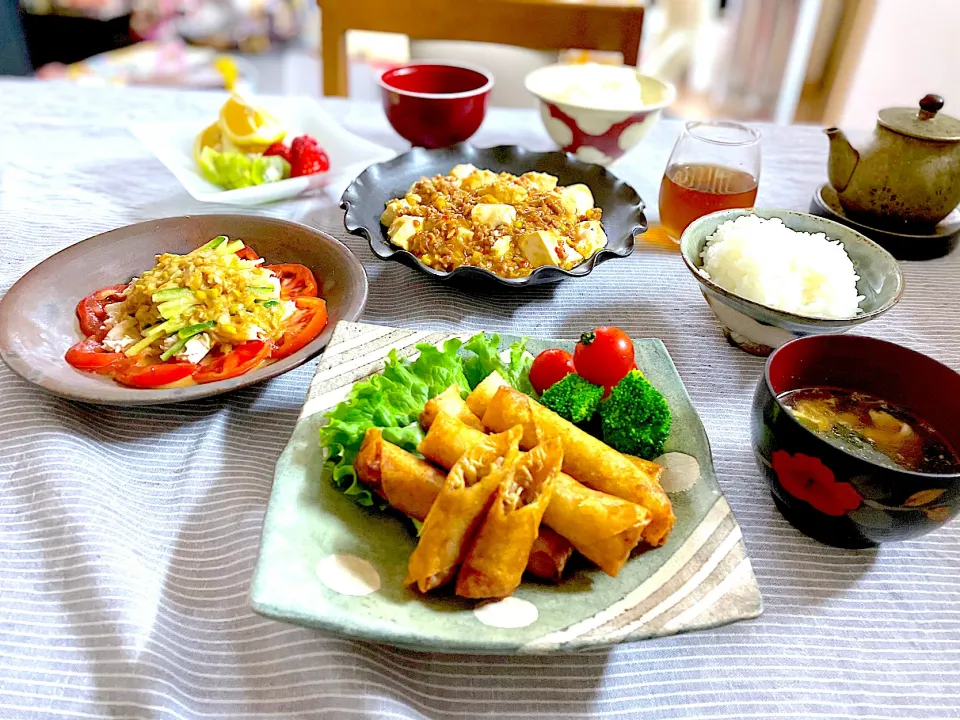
(912, 48)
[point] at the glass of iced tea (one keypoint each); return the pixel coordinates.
(714, 166)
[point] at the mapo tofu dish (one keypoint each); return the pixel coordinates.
(503, 223)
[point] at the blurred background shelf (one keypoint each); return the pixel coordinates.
(820, 61)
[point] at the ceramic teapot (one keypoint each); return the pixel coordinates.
(910, 171)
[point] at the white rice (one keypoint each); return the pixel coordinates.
(797, 272)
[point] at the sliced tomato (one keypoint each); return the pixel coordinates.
(89, 355)
(129, 372)
(90, 312)
(247, 253)
(303, 326)
(242, 359)
(295, 280)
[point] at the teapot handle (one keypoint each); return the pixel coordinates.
(930, 105)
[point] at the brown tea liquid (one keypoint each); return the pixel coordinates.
(690, 191)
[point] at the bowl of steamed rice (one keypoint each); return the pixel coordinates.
(773, 275)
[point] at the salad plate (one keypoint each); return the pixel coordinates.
(173, 144)
(364, 201)
(38, 323)
(327, 562)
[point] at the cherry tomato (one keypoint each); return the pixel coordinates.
(550, 367)
(242, 359)
(302, 327)
(295, 280)
(603, 356)
(89, 355)
(90, 312)
(247, 253)
(128, 372)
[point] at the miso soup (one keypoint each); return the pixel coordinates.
(872, 428)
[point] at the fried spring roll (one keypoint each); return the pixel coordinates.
(450, 402)
(604, 528)
(406, 482)
(463, 501)
(586, 458)
(549, 556)
(496, 561)
(483, 393)
(411, 485)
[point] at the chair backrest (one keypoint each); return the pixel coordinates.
(613, 25)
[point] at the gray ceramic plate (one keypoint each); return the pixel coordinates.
(38, 325)
(317, 545)
(364, 201)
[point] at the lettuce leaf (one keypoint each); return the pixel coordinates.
(441, 368)
(394, 399)
(486, 358)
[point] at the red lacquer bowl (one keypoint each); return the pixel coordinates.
(435, 104)
(829, 493)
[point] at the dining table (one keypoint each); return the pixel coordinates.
(128, 535)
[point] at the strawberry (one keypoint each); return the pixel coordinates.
(278, 149)
(307, 157)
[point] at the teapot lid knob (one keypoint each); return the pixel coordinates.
(930, 105)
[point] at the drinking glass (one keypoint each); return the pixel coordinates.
(714, 166)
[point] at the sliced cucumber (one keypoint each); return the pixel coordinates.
(171, 294)
(164, 328)
(188, 332)
(174, 349)
(230, 247)
(174, 308)
(215, 243)
(139, 347)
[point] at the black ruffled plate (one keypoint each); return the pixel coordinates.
(367, 196)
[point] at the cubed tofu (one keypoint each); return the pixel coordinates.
(493, 215)
(543, 182)
(588, 237)
(477, 179)
(404, 228)
(463, 170)
(394, 209)
(197, 348)
(540, 247)
(505, 192)
(577, 198)
(501, 246)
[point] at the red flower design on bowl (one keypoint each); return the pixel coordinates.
(808, 479)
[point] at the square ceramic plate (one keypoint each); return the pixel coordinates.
(172, 143)
(700, 578)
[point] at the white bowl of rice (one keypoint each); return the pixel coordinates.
(773, 275)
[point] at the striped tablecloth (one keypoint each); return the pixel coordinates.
(128, 536)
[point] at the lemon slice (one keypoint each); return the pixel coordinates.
(250, 129)
(209, 137)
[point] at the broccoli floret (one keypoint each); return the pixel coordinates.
(635, 418)
(573, 398)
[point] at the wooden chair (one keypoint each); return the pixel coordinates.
(537, 24)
